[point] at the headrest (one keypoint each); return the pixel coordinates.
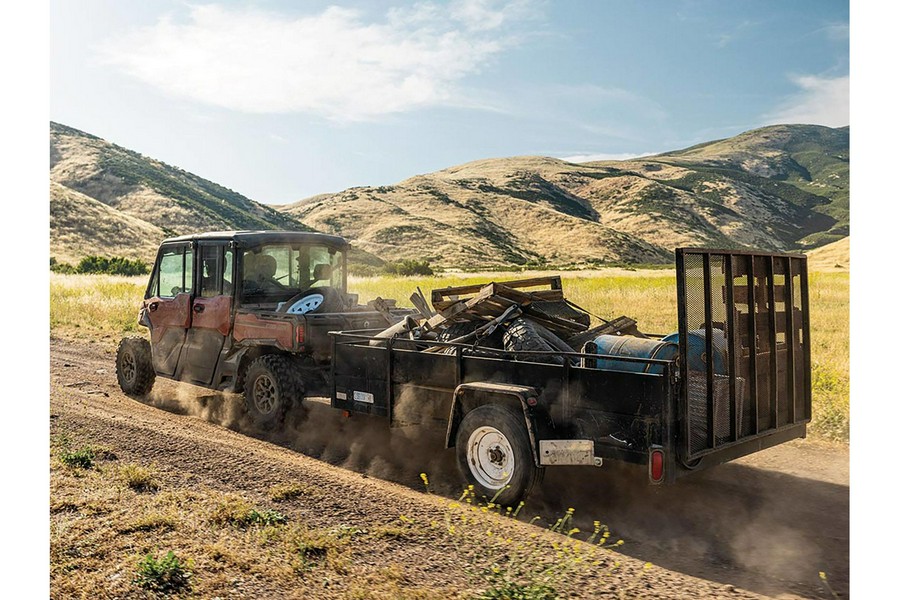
(266, 266)
(322, 272)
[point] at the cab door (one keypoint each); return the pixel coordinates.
(167, 304)
(211, 309)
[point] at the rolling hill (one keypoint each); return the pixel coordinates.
(782, 187)
(105, 199)
(832, 257)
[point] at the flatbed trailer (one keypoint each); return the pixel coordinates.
(739, 383)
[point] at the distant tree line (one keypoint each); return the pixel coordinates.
(115, 265)
(407, 267)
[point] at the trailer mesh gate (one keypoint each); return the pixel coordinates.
(744, 330)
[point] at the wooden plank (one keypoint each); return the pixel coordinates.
(418, 300)
(438, 295)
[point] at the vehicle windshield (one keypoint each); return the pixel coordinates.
(276, 272)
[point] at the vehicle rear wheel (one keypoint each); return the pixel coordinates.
(493, 453)
(134, 366)
(271, 386)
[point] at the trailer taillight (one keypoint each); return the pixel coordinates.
(656, 466)
(300, 335)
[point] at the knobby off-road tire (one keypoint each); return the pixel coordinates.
(493, 453)
(523, 335)
(456, 330)
(272, 385)
(134, 366)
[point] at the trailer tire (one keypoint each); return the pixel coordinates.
(271, 387)
(493, 453)
(456, 330)
(523, 335)
(134, 366)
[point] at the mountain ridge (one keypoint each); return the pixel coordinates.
(782, 187)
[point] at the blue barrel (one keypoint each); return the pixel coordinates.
(696, 350)
(626, 345)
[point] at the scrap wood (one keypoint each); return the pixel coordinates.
(418, 300)
(384, 308)
(513, 312)
(494, 298)
(444, 297)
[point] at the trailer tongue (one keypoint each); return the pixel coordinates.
(733, 380)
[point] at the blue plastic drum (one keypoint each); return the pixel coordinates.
(696, 350)
(625, 345)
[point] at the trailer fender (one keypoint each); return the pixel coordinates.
(468, 396)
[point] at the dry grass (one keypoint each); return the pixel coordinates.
(91, 305)
(102, 532)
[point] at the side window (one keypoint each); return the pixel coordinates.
(175, 272)
(226, 274)
(211, 270)
(215, 264)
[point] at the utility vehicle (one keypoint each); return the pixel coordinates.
(268, 313)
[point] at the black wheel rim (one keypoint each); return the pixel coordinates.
(265, 394)
(129, 368)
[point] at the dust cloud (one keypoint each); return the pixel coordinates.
(361, 443)
(735, 523)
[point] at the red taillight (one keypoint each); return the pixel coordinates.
(299, 335)
(656, 465)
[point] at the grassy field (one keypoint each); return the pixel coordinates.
(92, 306)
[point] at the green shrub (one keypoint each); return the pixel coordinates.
(516, 591)
(58, 267)
(82, 459)
(408, 267)
(112, 266)
(115, 265)
(164, 575)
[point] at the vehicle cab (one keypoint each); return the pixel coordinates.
(214, 298)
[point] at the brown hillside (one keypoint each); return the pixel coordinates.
(171, 199)
(83, 226)
(833, 257)
(543, 211)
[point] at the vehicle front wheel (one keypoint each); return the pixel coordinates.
(271, 386)
(493, 453)
(134, 366)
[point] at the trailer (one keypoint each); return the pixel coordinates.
(735, 380)
(268, 314)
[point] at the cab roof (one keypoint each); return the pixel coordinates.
(255, 238)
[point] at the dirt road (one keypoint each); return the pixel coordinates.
(765, 525)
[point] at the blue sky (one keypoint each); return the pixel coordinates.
(282, 100)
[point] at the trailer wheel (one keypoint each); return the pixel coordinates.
(134, 366)
(493, 453)
(271, 386)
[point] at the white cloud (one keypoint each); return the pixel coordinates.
(583, 158)
(820, 101)
(333, 64)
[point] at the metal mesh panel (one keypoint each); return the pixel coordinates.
(742, 328)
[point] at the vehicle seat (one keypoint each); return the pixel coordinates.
(266, 266)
